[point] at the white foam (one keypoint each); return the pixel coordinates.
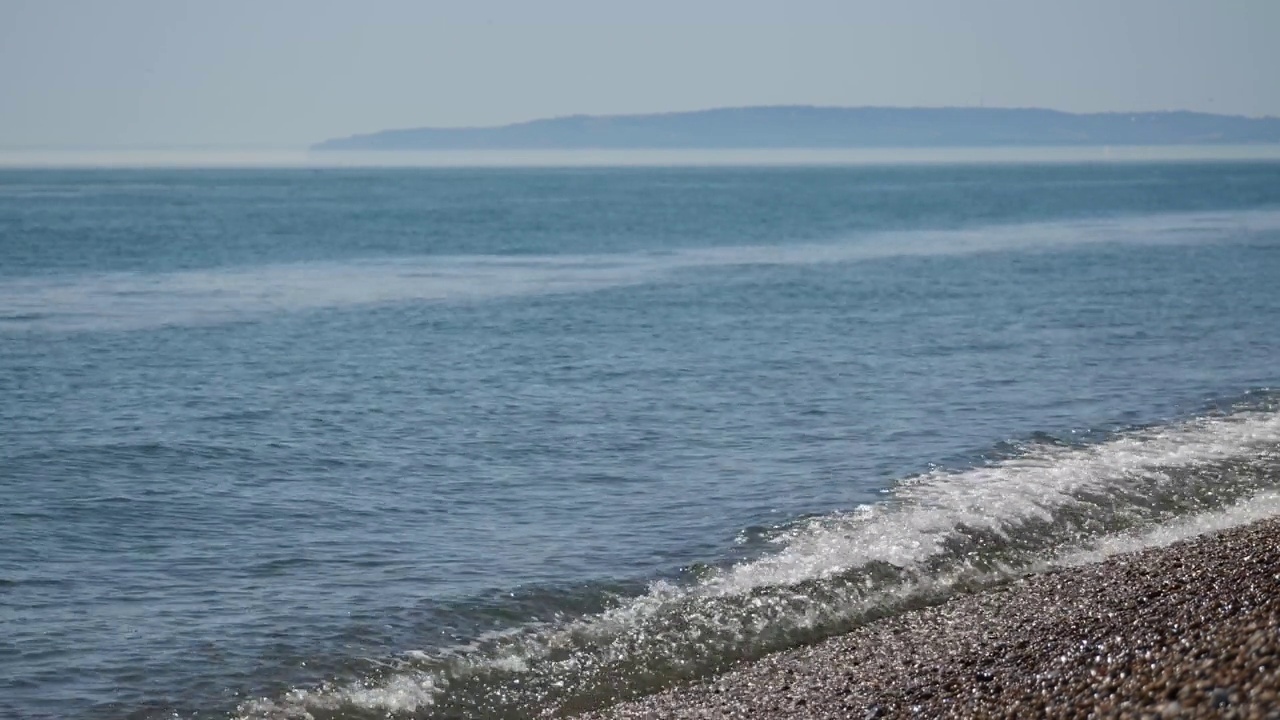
(775, 593)
(121, 301)
(929, 509)
(1260, 506)
(401, 693)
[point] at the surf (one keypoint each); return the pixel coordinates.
(1044, 504)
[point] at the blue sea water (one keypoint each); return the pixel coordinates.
(498, 442)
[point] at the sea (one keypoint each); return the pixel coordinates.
(518, 442)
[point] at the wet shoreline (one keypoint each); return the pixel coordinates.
(1188, 630)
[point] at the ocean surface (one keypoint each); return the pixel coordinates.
(497, 442)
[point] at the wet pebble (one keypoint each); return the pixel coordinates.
(1187, 631)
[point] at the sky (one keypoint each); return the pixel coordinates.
(287, 73)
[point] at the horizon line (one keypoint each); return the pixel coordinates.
(272, 146)
(305, 159)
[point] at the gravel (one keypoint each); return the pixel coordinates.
(1189, 630)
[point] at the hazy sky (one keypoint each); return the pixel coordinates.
(292, 72)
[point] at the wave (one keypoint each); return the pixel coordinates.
(1044, 505)
(127, 301)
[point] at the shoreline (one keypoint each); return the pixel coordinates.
(1187, 630)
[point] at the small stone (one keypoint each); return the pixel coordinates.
(1219, 698)
(1052, 646)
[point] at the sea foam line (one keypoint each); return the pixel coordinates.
(123, 301)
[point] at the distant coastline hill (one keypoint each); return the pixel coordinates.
(831, 127)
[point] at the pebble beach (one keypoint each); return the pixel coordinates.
(1191, 630)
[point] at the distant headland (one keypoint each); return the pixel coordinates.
(797, 126)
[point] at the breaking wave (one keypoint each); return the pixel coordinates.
(1044, 504)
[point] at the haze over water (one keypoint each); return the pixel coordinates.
(465, 442)
(282, 158)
